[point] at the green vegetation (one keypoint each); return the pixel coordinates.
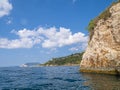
(73, 59)
(104, 15)
(90, 28)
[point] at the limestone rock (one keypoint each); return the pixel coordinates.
(103, 52)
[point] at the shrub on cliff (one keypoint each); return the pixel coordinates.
(104, 15)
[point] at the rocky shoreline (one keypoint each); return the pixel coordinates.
(103, 51)
(113, 71)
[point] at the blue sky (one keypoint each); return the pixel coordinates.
(38, 30)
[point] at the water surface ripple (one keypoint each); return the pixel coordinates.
(55, 78)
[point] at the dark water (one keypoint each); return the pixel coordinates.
(55, 78)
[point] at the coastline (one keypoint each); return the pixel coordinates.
(64, 65)
(102, 70)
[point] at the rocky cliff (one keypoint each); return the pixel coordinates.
(103, 52)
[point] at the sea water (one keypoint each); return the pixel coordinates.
(55, 78)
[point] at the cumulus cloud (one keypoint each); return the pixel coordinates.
(18, 43)
(46, 37)
(27, 39)
(5, 7)
(80, 46)
(62, 37)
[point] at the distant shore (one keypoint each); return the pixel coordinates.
(64, 65)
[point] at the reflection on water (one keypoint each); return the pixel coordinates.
(101, 81)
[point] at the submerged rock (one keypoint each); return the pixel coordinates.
(103, 52)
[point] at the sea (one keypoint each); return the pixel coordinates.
(55, 78)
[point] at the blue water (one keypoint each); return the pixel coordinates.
(55, 78)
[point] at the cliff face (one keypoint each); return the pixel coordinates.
(103, 52)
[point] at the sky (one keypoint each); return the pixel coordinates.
(39, 30)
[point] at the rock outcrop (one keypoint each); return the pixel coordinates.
(103, 52)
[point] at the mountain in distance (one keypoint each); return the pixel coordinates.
(70, 60)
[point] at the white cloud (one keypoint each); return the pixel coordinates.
(62, 37)
(47, 37)
(18, 43)
(74, 49)
(80, 46)
(27, 39)
(5, 7)
(25, 33)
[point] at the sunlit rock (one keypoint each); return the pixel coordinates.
(103, 52)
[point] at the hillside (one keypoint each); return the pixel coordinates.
(73, 59)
